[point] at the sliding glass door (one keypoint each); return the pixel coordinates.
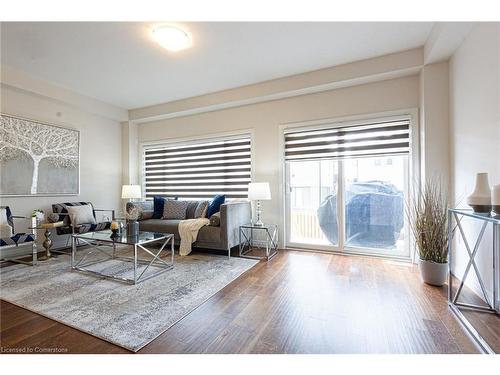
(311, 184)
(342, 201)
(374, 205)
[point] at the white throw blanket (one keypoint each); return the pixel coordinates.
(188, 230)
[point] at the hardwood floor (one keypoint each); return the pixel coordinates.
(297, 303)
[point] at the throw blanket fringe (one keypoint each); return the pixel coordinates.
(188, 231)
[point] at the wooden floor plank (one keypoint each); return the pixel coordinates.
(299, 302)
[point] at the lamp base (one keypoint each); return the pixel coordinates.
(258, 223)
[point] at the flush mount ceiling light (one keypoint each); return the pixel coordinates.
(172, 38)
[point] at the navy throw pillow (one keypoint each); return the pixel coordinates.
(158, 204)
(214, 205)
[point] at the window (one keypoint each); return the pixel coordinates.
(346, 186)
(198, 169)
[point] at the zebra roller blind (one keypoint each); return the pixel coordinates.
(198, 170)
(367, 139)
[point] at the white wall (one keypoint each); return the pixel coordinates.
(130, 154)
(100, 145)
(265, 118)
(475, 128)
(434, 122)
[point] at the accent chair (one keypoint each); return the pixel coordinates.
(9, 239)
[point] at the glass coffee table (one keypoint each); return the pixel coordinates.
(104, 244)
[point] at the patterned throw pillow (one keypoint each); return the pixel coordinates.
(191, 209)
(201, 210)
(175, 209)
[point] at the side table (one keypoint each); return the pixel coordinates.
(47, 243)
(248, 242)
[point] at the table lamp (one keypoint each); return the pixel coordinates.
(258, 191)
(131, 192)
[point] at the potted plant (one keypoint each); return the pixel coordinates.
(428, 217)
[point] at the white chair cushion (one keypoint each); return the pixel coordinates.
(5, 228)
(81, 214)
(5, 231)
(3, 216)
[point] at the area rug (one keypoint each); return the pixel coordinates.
(130, 316)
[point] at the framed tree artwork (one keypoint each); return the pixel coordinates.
(38, 158)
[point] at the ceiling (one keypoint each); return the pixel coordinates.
(119, 63)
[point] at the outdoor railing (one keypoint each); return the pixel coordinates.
(305, 224)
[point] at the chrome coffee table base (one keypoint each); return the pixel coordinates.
(108, 249)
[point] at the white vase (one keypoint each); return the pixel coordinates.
(495, 199)
(480, 199)
(433, 273)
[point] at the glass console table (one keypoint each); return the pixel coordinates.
(490, 305)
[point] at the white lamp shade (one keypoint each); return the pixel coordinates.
(131, 191)
(259, 191)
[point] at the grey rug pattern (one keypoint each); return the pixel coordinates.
(130, 316)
